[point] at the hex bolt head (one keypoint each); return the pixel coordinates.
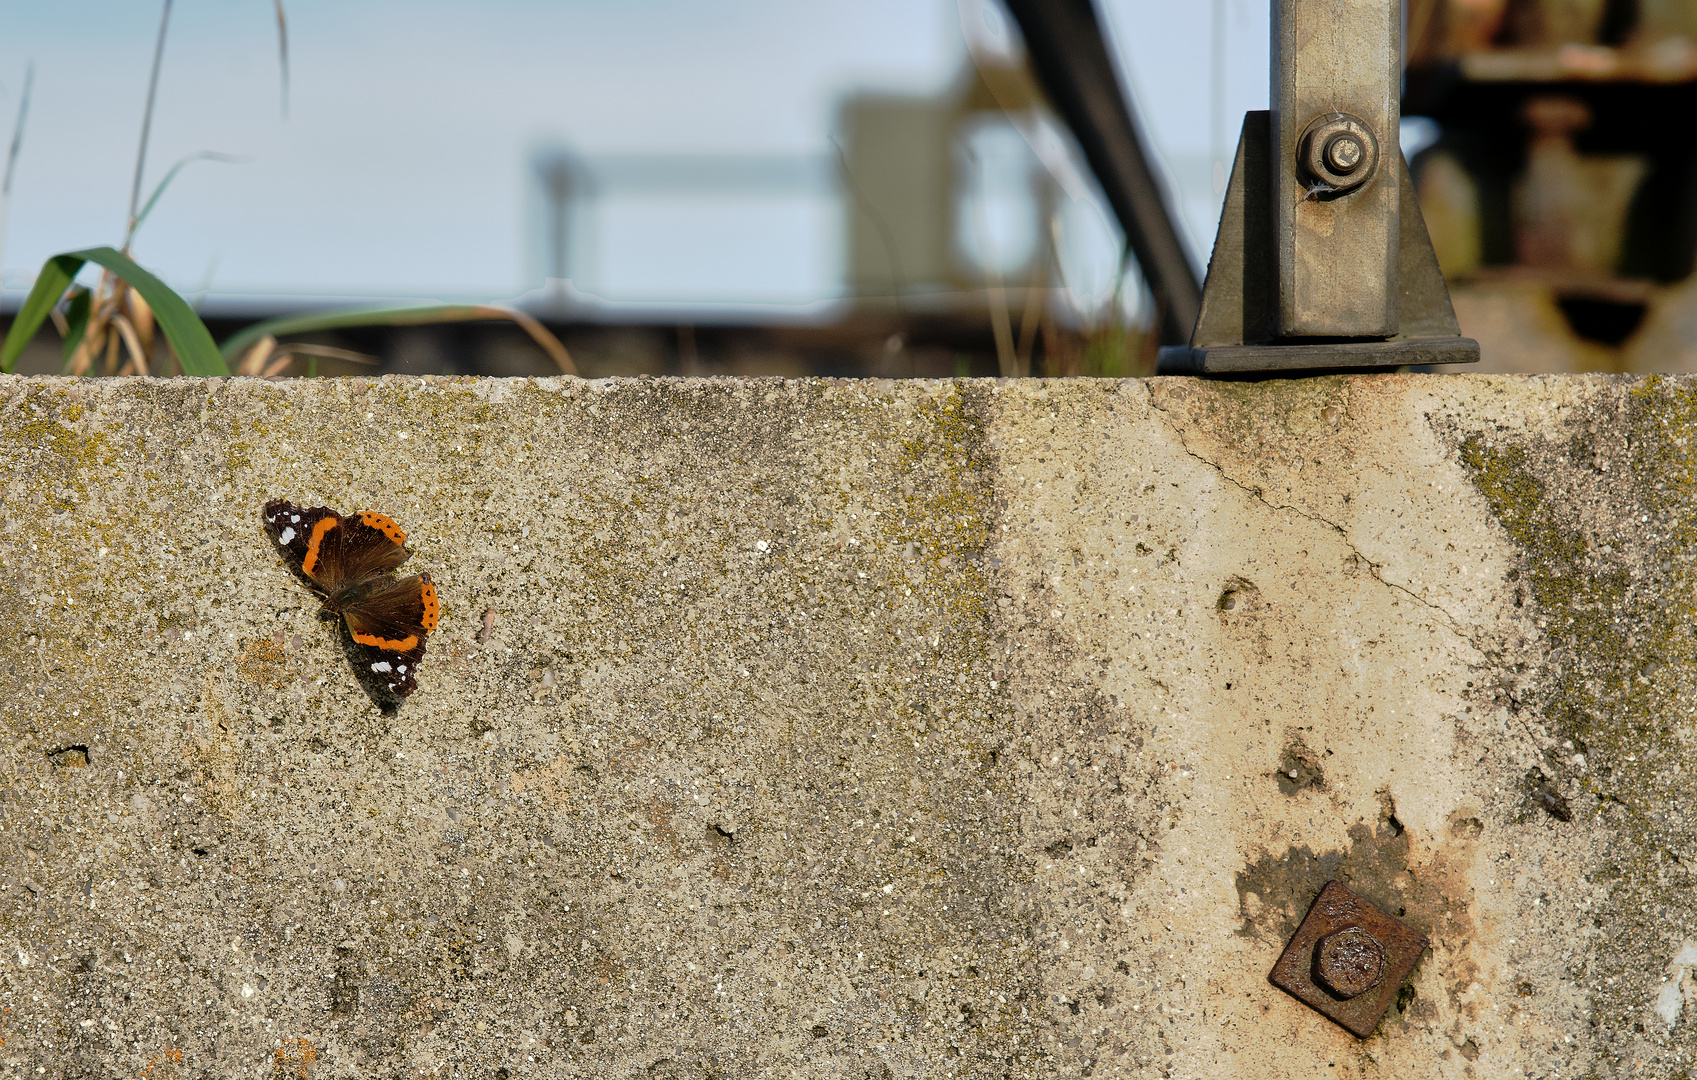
(1349, 962)
(1344, 153)
(1317, 968)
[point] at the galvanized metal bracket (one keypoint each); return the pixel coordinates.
(1322, 261)
(1237, 329)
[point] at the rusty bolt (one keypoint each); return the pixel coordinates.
(1349, 962)
(1348, 959)
(1344, 153)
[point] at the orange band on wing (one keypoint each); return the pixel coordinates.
(403, 645)
(432, 606)
(383, 524)
(319, 529)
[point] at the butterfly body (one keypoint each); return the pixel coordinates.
(349, 562)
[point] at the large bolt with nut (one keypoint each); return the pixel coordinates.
(1349, 962)
(1337, 154)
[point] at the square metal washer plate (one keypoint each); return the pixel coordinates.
(1334, 909)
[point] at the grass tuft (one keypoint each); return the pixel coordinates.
(241, 343)
(121, 316)
(110, 330)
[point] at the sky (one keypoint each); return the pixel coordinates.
(402, 168)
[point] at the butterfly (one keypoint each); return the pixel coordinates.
(349, 563)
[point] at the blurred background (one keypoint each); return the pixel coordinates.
(784, 187)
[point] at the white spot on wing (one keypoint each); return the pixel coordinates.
(381, 665)
(288, 535)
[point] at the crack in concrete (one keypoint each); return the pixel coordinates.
(1372, 567)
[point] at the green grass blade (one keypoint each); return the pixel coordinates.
(76, 320)
(311, 322)
(159, 188)
(147, 121)
(12, 161)
(192, 341)
(50, 285)
(239, 343)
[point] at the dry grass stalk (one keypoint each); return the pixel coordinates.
(257, 361)
(538, 333)
(127, 331)
(119, 335)
(266, 359)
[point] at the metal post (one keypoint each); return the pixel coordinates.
(1336, 166)
(1322, 262)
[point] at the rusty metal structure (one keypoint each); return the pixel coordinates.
(1348, 959)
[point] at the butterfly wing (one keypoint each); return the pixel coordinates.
(371, 544)
(348, 561)
(392, 620)
(300, 531)
(336, 551)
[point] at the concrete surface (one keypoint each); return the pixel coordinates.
(850, 729)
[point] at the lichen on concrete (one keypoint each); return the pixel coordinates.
(1601, 506)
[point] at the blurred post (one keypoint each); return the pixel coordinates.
(560, 175)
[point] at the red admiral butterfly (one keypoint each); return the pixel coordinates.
(349, 562)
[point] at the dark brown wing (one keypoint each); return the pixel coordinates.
(300, 530)
(371, 545)
(392, 621)
(335, 551)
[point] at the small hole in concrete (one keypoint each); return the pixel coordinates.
(69, 757)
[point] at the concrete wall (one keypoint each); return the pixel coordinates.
(849, 729)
